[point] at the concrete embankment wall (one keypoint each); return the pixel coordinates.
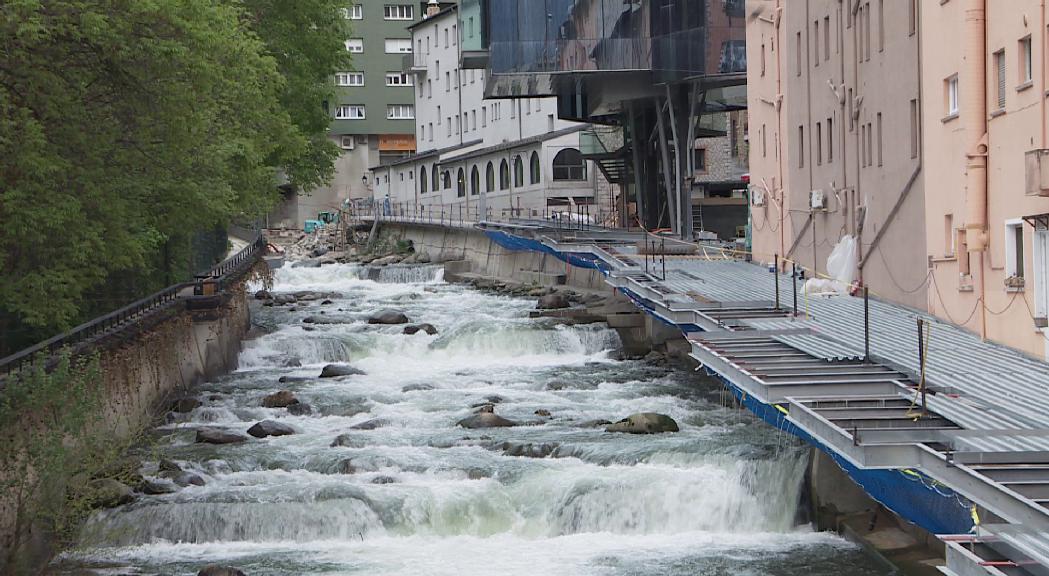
(142, 368)
(833, 501)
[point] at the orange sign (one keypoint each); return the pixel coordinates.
(397, 142)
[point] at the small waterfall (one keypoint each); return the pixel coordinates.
(403, 274)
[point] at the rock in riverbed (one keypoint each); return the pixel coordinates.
(415, 328)
(219, 436)
(300, 409)
(216, 570)
(388, 317)
(281, 399)
(336, 370)
(552, 301)
(486, 420)
(644, 423)
(270, 428)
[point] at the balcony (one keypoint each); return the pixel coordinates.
(414, 63)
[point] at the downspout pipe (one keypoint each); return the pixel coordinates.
(974, 118)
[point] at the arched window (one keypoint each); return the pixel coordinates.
(446, 180)
(475, 182)
(422, 179)
(518, 171)
(433, 178)
(460, 184)
(504, 175)
(534, 168)
(569, 165)
(489, 178)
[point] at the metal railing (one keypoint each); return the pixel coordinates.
(578, 217)
(92, 330)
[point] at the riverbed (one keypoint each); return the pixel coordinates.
(417, 494)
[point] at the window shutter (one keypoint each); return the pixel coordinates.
(1001, 79)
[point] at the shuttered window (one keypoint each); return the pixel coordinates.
(999, 65)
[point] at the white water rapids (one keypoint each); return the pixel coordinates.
(427, 497)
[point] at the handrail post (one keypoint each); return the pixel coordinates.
(866, 326)
(794, 280)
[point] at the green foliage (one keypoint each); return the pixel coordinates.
(128, 125)
(50, 432)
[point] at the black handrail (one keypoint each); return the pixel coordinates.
(134, 312)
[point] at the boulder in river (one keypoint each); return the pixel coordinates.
(336, 370)
(416, 328)
(345, 466)
(281, 399)
(270, 428)
(371, 424)
(186, 404)
(542, 412)
(216, 570)
(183, 478)
(529, 449)
(644, 423)
(486, 420)
(300, 409)
(108, 493)
(552, 301)
(417, 388)
(346, 441)
(219, 436)
(288, 379)
(263, 295)
(157, 487)
(384, 480)
(388, 316)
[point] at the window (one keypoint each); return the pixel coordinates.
(867, 31)
(398, 12)
(951, 95)
(355, 45)
(699, 159)
(431, 137)
(830, 139)
(798, 64)
(801, 146)
(489, 178)
(354, 12)
(429, 89)
(912, 17)
(350, 112)
(819, 143)
(400, 112)
(504, 175)
(473, 119)
(399, 79)
(422, 179)
(870, 144)
(763, 141)
(1041, 273)
(826, 37)
(762, 58)
(518, 171)
(446, 37)
(349, 79)
(549, 122)
(346, 142)
(433, 177)
(948, 235)
(999, 67)
(438, 114)
(534, 168)
(914, 128)
(447, 81)
(457, 127)
(879, 139)
(398, 45)
(475, 182)
(455, 75)
(1014, 248)
(569, 165)
(881, 25)
(484, 116)
(446, 180)
(1026, 70)
(852, 120)
(513, 108)
(448, 126)
(863, 145)
(816, 43)
(460, 184)
(455, 38)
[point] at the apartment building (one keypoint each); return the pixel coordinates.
(491, 158)
(987, 180)
(373, 115)
(834, 104)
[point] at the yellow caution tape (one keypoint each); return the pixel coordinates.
(781, 408)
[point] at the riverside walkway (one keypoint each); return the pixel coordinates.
(965, 456)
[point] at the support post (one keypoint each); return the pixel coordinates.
(775, 275)
(921, 363)
(866, 325)
(794, 280)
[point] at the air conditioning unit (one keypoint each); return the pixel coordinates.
(757, 196)
(346, 142)
(817, 200)
(1036, 163)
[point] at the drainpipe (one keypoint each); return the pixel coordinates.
(779, 123)
(974, 118)
(1041, 74)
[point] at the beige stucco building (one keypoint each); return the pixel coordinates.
(984, 110)
(920, 122)
(833, 97)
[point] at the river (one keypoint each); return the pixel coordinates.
(720, 497)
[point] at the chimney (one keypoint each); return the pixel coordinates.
(432, 7)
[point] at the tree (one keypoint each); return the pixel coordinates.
(126, 125)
